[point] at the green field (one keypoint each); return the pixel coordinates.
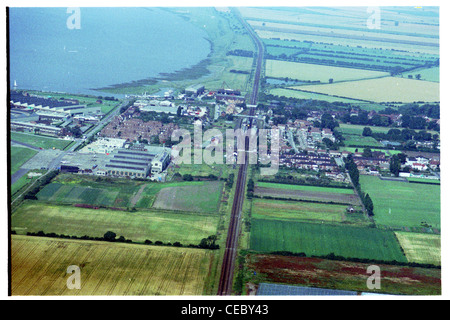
(113, 195)
(40, 141)
(355, 129)
(304, 188)
(430, 74)
(19, 156)
(361, 149)
(357, 140)
(401, 204)
(322, 239)
(197, 197)
(314, 72)
(424, 180)
(138, 226)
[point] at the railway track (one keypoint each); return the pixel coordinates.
(227, 273)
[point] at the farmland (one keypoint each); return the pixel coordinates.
(313, 196)
(38, 267)
(201, 198)
(405, 204)
(420, 247)
(323, 239)
(428, 74)
(305, 188)
(387, 89)
(298, 94)
(311, 72)
(196, 196)
(341, 275)
(154, 225)
(282, 210)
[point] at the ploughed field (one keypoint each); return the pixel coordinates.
(341, 275)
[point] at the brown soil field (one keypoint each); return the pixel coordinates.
(342, 275)
(307, 195)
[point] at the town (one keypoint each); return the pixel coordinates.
(270, 152)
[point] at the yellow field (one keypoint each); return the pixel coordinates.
(284, 27)
(388, 89)
(421, 248)
(314, 72)
(39, 267)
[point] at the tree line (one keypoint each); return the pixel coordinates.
(353, 171)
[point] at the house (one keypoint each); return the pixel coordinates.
(434, 164)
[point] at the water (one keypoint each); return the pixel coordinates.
(113, 46)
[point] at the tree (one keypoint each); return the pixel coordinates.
(250, 185)
(179, 111)
(110, 236)
(395, 165)
(330, 80)
(367, 153)
(187, 177)
(367, 132)
(368, 204)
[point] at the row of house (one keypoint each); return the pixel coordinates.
(310, 161)
(134, 129)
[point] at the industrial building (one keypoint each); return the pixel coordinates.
(130, 163)
(34, 128)
(195, 90)
(160, 163)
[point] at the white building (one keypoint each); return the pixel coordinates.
(160, 162)
(104, 146)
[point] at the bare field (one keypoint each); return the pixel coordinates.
(342, 275)
(388, 89)
(39, 267)
(307, 195)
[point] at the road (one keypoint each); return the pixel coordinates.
(228, 264)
